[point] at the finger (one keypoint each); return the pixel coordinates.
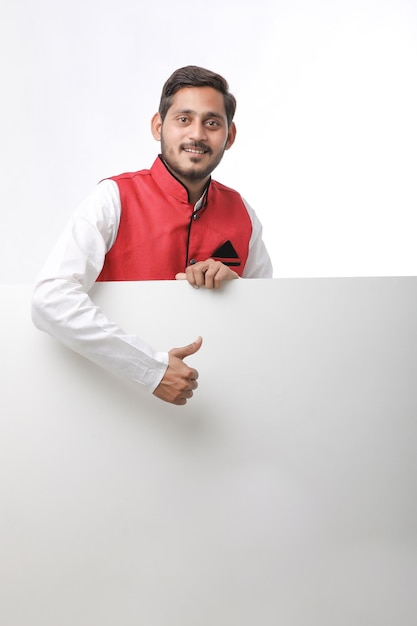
(200, 276)
(185, 351)
(182, 399)
(180, 276)
(191, 275)
(188, 386)
(210, 277)
(193, 384)
(205, 274)
(224, 273)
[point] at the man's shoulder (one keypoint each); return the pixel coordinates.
(129, 175)
(153, 172)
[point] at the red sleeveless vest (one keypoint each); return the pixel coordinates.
(160, 234)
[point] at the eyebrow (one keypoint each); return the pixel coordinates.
(206, 114)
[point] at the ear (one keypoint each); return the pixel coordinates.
(156, 126)
(231, 136)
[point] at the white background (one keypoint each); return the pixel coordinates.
(327, 126)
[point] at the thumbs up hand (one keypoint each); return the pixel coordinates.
(179, 380)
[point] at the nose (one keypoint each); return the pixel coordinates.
(197, 131)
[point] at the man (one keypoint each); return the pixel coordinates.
(169, 222)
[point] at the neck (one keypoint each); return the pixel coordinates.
(195, 188)
(196, 191)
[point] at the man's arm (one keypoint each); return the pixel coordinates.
(62, 307)
(258, 264)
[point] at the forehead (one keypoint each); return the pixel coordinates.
(199, 100)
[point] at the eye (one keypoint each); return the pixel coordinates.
(213, 123)
(182, 119)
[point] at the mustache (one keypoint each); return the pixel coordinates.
(199, 145)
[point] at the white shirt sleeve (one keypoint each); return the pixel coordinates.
(61, 305)
(258, 264)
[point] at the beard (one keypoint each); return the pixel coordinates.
(190, 173)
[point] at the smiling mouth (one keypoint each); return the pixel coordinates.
(195, 151)
(198, 149)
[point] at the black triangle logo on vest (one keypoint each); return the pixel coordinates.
(226, 250)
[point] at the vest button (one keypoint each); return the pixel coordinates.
(195, 216)
(193, 261)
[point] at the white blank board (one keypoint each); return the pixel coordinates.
(283, 493)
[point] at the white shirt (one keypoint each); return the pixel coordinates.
(62, 307)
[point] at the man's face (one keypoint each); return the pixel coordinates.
(194, 133)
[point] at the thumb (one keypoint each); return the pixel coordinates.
(180, 276)
(192, 348)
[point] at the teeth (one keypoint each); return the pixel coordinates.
(195, 151)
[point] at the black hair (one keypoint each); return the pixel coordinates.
(194, 76)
